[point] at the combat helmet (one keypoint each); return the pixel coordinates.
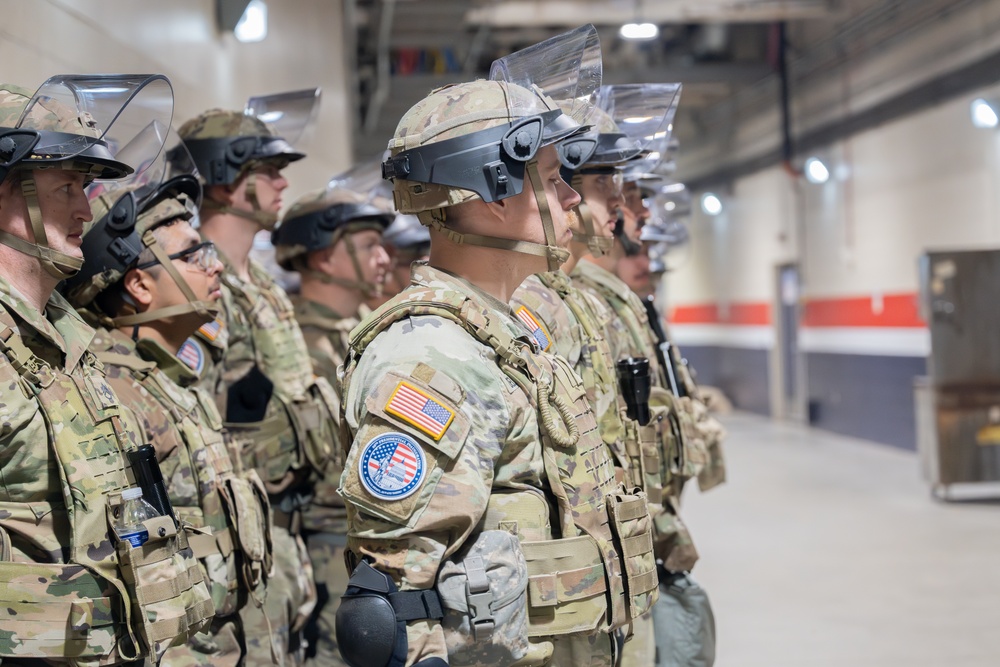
(125, 216)
(631, 122)
(319, 219)
(480, 139)
(77, 122)
(228, 145)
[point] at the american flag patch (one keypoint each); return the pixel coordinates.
(211, 330)
(538, 332)
(419, 409)
(192, 355)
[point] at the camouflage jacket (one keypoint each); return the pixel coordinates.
(327, 337)
(256, 333)
(64, 441)
(204, 479)
(472, 441)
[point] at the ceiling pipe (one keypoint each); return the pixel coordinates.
(383, 66)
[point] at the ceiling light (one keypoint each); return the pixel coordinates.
(711, 204)
(639, 31)
(253, 24)
(816, 171)
(984, 115)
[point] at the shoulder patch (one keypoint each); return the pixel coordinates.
(211, 330)
(192, 355)
(420, 409)
(538, 332)
(392, 466)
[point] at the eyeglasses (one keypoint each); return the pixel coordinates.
(203, 256)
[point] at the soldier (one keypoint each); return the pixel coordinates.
(74, 591)
(332, 239)
(578, 322)
(256, 362)
(149, 278)
(467, 439)
(406, 241)
(682, 618)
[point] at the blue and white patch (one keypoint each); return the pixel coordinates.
(192, 355)
(392, 466)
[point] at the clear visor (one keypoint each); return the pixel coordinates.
(672, 201)
(81, 110)
(644, 114)
(563, 71)
(288, 115)
(159, 155)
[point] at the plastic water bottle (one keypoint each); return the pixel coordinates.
(133, 512)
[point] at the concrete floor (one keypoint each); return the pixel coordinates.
(826, 551)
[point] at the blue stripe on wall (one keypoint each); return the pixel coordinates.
(742, 374)
(865, 396)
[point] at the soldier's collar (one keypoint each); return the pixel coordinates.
(425, 274)
(602, 276)
(166, 361)
(60, 324)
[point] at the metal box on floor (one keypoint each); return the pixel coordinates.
(958, 405)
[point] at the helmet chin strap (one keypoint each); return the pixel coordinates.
(597, 245)
(367, 288)
(57, 264)
(206, 310)
(554, 254)
(266, 219)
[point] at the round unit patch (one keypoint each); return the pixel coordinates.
(392, 466)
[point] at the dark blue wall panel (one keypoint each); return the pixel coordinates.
(742, 374)
(865, 396)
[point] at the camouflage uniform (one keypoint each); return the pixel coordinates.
(253, 343)
(682, 600)
(325, 520)
(574, 321)
(498, 460)
(206, 488)
(257, 329)
(64, 428)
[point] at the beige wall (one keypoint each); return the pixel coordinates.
(208, 68)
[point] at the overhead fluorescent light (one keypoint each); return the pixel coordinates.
(984, 115)
(639, 31)
(711, 204)
(816, 172)
(252, 26)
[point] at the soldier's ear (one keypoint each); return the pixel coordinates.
(140, 286)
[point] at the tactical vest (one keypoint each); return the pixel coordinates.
(301, 401)
(233, 542)
(672, 426)
(595, 571)
(637, 451)
(110, 602)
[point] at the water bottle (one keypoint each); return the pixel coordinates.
(134, 511)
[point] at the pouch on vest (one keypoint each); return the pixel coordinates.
(632, 528)
(245, 502)
(483, 588)
(170, 599)
(314, 420)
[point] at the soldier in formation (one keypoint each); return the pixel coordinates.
(486, 469)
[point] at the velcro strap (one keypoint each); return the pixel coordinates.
(643, 583)
(416, 605)
(170, 628)
(638, 545)
(211, 544)
(169, 589)
(629, 510)
(548, 590)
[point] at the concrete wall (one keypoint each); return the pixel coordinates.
(207, 68)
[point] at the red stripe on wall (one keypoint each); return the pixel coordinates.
(737, 313)
(895, 310)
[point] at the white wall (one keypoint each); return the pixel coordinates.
(207, 68)
(929, 181)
